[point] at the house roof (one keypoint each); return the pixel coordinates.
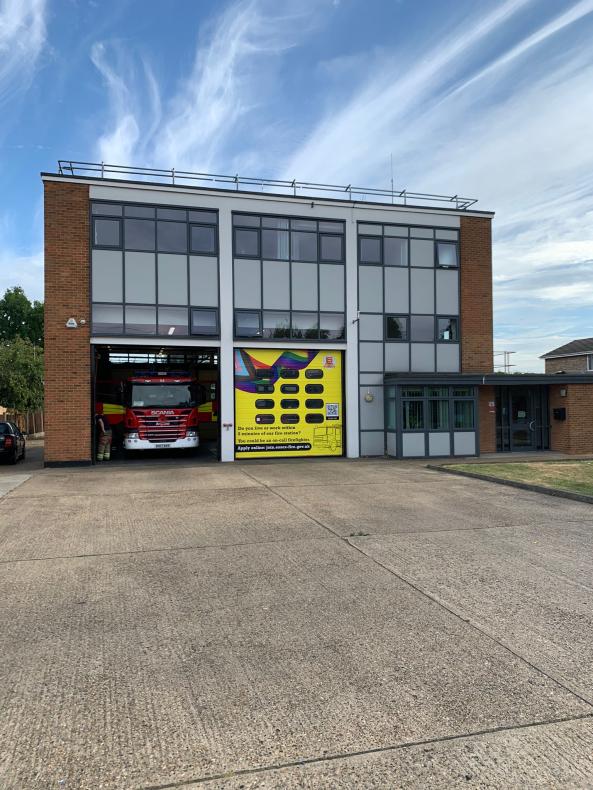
(574, 348)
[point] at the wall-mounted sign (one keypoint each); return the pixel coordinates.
(288, 403)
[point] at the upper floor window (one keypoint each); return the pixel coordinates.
(285, 238)
(402, 245)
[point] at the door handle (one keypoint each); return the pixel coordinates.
(531, 425)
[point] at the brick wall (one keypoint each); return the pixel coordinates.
(569, 364)
(574, 435)
(68, 418)
(476, 295)
(487, 419)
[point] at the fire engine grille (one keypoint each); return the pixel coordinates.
(162, 427)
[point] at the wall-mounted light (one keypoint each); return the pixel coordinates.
(368, 396)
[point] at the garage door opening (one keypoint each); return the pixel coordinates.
(161, 403)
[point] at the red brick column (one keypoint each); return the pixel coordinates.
(68, 418)
(575, 434)
(476, 295)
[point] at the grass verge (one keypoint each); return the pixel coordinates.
(576, 476)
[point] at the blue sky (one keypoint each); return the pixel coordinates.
(483, 99)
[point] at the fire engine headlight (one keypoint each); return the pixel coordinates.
(133, 435)
(191, 434)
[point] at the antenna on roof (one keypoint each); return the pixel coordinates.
(391, 158)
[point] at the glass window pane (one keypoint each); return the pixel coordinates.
(395, 251)
(304, 246)
(303, 224)
(139, 234)
(172, 321)
(108, 319)
(413, 415)
(140, 320)
(371, 230)
(246, 220)
(331, 248)
(204, 322)
(203, 239)
(463, 392)
(331, 227)
(203, 281)
(422, 233)
(370, 250)
(412, 392)
(447, 329)
(422, 328)
(332, 326)
(276, 324)
(172, 213)
(464, 414)
(396, 327)
(421, 253)
(438, 392)
(108, 209)
(247, 242)
(172, 236)
(439, 415)
(390, 421)
(140, 271)
(144, 212)
(274, 244)
(275, 222)
(395, 230)
(304, 325)
(447, 254)
(106, 233)
(207, 217)
(247, 324)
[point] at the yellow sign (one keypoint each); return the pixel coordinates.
(288, 403)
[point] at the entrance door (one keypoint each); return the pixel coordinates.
(522, 418)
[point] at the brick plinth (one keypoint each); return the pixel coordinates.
(476, 295)
(68, 418)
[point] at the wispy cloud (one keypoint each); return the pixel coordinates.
(234, 56)
(22, 36)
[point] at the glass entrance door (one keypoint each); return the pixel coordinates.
(522, 418)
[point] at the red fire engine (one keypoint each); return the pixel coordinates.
(161, 411)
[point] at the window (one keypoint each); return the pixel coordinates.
(144, 212)
(369, 249)
(139, 234)
(463, 392)
(108, 319)
(438, 415)
(247, 324)
(331, 326)
(447, 330)
(413, 415)
(246, 220)
(172, 321)
(172, 236)
(140, 320)
(204, 217)
(203, 239)
(390, 408)
(108, 209)
(276, 325)
(247, 243)
(395, 251)
(303, 224)
(305, 325)
(447, 256)
(422, 253)
(589, 361)
(422, 328)
(106, 233)
(304, 246)
(463, 411)
(172, 213)
(275, 222)
(396, 327)
(204, 322)
(331, 248)
(274, 244)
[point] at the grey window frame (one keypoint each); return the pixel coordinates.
(240, 311)
(386, 338)
(212, 254)
(446, 318)
(455, 244)
(102, 218)
(214, 310)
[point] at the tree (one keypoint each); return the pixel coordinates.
(21, 375)
(20, 318)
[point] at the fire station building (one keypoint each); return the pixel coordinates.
(297, 321)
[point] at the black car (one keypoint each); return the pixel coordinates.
(12, 443)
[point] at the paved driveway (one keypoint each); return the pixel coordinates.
(296, 624)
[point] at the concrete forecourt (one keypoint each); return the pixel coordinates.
(298, 624)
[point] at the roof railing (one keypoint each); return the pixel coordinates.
(295, 188)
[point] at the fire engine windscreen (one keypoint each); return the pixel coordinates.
(164, 395)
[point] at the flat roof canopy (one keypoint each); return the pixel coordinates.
(489, 379)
